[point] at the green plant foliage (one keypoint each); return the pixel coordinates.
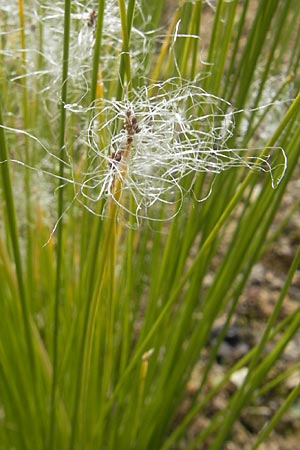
(145, 150)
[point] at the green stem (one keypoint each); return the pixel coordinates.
(205, 246)
(13, 231)
(84, 363)
(26, 124)
(293, 396)
(60, 210)
(256, 370)
(96, 58)
(126, 22)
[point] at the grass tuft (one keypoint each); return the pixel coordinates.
(147, 153)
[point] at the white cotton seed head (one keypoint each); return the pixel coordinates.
(182, 131)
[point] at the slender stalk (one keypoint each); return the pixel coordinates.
(96, 95)
(96, 57)
(60, 210)
(237, 41)
(156, 72)
(255, 371)
(173, 295)
(292, 397)
(126, 22)
(222, 38)
(26, 124)
(118, 290)
(14, 237)
(277, 35)
(140, 397)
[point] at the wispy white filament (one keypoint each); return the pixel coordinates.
(182, 132)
